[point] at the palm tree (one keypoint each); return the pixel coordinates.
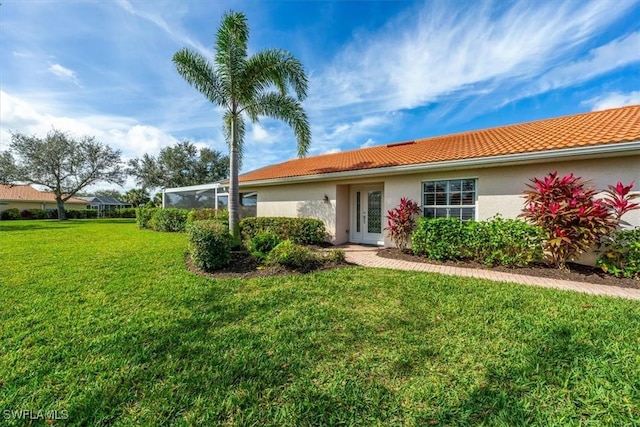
(247, 87)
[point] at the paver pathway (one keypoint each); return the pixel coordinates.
(366, 256)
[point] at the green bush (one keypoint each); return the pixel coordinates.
(124, 213)
(10, 214)
(439, 238)
(220, 215)
(304, 231)
(335, 255)
(209, 244)
(169, 220)
(81, 213)
(293, 256)
(263, 243)
(621, 254)
(144, 215)
(498, 241)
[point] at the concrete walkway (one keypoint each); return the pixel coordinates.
(366, 256)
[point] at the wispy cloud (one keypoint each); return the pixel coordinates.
(613, 100)
(438, 51)
(64, 73)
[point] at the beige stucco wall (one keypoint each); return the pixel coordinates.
(499, 190)
(22, 205)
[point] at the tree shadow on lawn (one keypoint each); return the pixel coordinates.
(545, 389)
(30, 227)
(222, 354)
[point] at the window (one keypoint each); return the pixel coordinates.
(455, 198)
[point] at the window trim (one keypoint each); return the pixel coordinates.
(475, 198)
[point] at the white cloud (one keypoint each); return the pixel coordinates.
(600, 60)
(368, 143)
(64, 73)
(332, 151)
(613, 100)
(437, 51)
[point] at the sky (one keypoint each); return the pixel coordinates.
(379, 71)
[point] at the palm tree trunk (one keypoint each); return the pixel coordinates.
(234, 199)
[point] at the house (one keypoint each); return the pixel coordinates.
(469, 175)
(104, 205)
(23, 197)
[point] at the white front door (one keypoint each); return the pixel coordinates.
(366, 215)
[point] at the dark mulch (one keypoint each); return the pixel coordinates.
(576, 273)
(244, 266)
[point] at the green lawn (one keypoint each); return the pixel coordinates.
(102, 321)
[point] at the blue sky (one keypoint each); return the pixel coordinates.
(379, 71)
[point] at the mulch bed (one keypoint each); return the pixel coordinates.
(244, 266)
(576, 273)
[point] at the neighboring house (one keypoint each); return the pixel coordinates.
(469, 175)
(23, 197)
(104, 205)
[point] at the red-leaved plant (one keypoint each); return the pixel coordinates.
(574, 220)
(401, 221)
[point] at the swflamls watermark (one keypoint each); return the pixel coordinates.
(28, 414)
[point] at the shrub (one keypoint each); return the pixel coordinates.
(401, 221)
(335, 255)
(293, 256)
(621, 254)
(220, 215)
(144, 215)
(124, 213)
(25, 214)
(573, 220)
(209, 244)
(438, 238)
(169, 220)
(10, 214)
(81, 213)
(498, 241)
(38, 213)
(305, 231)
(263, 243)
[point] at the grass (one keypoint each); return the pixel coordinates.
(102, 321)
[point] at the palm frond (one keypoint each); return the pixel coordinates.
(231, 50)
(199, 73)
(275, 67)
(289, 110)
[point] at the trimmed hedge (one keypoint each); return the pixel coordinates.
(305, 231)
(10, 214)
(208, 214)
(261, 244)
(13, 214)
(209, 244)
(498, 241)
(143, 216)
(169, 220)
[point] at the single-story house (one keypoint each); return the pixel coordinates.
(469, 175)
(23, 197)
(104, 204)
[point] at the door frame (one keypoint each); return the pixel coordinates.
(363, 237)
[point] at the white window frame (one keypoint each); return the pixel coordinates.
(474, 206)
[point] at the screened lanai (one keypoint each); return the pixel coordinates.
(213, 196)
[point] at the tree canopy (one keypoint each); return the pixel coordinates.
(179, 166)
(136, 197)
(247, 87)
(60, 162)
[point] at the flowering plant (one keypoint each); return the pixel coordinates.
(401, 221)
(574, 220)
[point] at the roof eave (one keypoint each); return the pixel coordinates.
(611, 150)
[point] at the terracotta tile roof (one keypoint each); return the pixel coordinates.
(580, 130)
(27, 193)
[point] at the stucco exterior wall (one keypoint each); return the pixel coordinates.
(499, 190)
(22, 205)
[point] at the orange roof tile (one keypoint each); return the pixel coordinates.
(580, 130)
(27, 193)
